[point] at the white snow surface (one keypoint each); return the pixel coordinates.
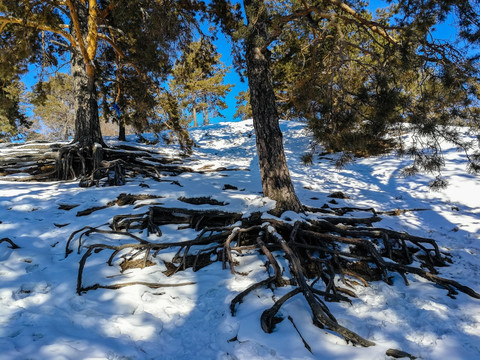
(42, 317)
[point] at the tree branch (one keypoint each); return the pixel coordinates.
(308, 10)
(32, 24)
(81, 43)
(105, 12)
(92, 36)
(372, 25)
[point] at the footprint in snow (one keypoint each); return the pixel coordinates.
(30, 289)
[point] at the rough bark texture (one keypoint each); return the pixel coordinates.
(87, 123)
(121, 130)
(276, 181)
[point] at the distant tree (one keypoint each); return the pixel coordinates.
(12, 119)
(244, 110)
(198, 80)
(54, 105)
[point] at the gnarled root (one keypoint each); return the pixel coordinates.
(12, 244)
(325, 258)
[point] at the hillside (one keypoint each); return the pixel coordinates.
(42, 317)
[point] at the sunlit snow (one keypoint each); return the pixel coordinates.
(42, 317)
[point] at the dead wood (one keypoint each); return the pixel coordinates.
(321, 255)
(142, 283)
(12, 244)
(122, 200)
(67, 207)
(204, 200)
(399, 354)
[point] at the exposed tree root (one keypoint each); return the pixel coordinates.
(93, 166)
(326, 257)
(399, 354)
(122, 200)
(12, 244)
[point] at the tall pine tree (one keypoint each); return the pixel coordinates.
(198, 78)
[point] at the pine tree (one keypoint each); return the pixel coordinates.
(198, 80)
(53, 105)
(13, 121)
(353, 76)
(244, 109)
(354, 86)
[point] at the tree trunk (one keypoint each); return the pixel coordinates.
(87, 123)
(121, 130)
(195, 123)
(276, 181)
(205, 117)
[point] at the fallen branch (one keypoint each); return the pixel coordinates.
(12, 244)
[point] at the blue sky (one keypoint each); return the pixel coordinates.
(232, 77)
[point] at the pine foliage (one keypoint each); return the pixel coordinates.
(53, 105)
(360, 80)
(198, 78)
(244, 109)
(13, 121)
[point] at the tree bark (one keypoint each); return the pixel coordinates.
(121, 130)
(195, 123)
(87, 123)
(276, 181)
(206, 121)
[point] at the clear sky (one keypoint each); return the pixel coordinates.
(232, 77)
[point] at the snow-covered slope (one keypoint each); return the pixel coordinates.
(41, 316)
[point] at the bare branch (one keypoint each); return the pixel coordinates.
(35, 25)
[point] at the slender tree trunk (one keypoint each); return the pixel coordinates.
(121, 130)
(206, 121)
(87, 123)
(195, 123)
(276, 181)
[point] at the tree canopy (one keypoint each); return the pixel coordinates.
(359, 78)
(118, 47)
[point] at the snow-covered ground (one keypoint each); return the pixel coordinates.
(41, 316)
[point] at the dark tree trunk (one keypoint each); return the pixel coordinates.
(276, 181)
(87, 123)
(121, 130)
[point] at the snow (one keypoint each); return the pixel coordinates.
(42, 317)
